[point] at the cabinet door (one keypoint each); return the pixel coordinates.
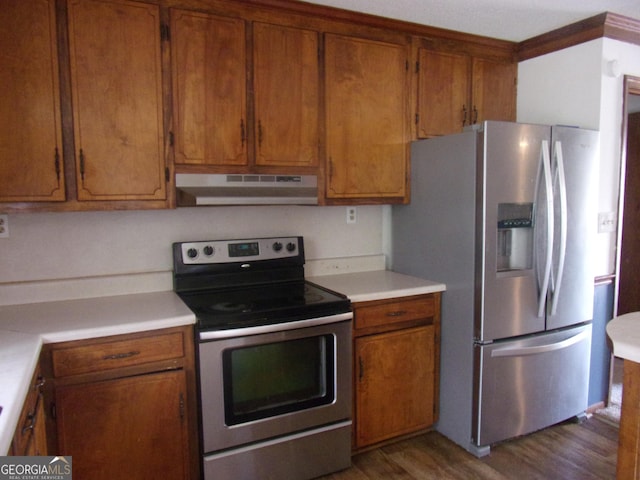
(494, 90)
(131, 427)
(394, 384)
(443, 93)
(286, 85)
(367, 119)
(30, 122)
(209, 89)
(117, 99)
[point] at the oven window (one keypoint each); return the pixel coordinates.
(271, 379)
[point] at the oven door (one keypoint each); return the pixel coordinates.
(286, 378)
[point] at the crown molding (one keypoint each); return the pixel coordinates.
(609, 25)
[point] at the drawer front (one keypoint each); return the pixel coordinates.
(395, 311)
(117, 354)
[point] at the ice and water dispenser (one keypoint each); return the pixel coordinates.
(515, 236)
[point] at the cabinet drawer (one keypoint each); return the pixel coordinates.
(394, 311)
(98, 357)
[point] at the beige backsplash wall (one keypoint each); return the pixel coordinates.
(59, 256)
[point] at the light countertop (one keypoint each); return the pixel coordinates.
(24, 328)
(624, 332)
(377, 285)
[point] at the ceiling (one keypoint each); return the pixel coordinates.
(513, 20)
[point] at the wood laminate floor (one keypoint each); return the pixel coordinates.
(568, 451)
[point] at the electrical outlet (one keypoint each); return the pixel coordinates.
(351, 215)
(4, 226)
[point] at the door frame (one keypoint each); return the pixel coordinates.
(631, 86)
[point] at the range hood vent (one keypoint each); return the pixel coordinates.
(222, 189)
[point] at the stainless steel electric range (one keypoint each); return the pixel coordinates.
(274, 360)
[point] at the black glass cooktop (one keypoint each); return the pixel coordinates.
(263, 305)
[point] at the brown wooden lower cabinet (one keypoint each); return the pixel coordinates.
(628, 466)
(124, 406)
(30, 436)
(396, 363)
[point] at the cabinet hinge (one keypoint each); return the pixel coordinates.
(164, 32)
(166, 174)
(181, 405)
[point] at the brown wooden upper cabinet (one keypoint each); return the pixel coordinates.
(209, 89)
(216, 122)
(30, 124)
(457, 90)
(287, 91)
(116, 85)
(367, 120)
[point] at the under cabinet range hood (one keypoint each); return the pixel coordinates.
(246, 189)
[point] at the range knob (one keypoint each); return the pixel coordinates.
(192, 253)
(291, 246)
(208, 250)
(277, 246)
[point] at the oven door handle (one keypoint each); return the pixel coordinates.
(275, 327)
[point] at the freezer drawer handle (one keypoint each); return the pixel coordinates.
(524, 351)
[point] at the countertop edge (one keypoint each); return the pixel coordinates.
(377, 285)
(624, 332)
(13, 401)
(24, 338)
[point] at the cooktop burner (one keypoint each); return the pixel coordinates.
(263, 305)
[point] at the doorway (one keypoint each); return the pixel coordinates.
(629, 261)
(627, 297)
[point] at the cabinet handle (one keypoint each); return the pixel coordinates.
(56, 163)
(397, 313)
(475, 115)
(464, 115)
(119, 356)
(259, 133)
(82, 165)
(360, 368)
(40, 381)
(31, 417)
(242, 131)
(32, 423)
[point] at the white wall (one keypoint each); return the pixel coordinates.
(574, 87)
(51, 256)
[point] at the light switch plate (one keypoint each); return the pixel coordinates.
(607, 222)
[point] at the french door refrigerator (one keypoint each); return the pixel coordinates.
(505, 215)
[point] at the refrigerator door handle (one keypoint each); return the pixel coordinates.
(562, 248)
(545, 166)
(538, 349)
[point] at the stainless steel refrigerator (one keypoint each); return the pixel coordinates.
(505, 215)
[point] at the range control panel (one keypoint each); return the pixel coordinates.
(226, 251)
